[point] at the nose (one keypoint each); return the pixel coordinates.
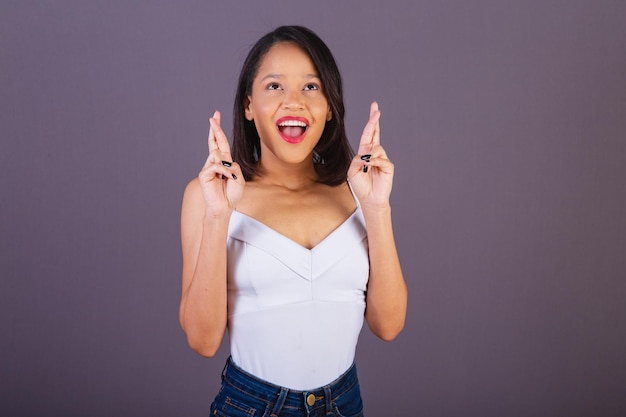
(293, 100)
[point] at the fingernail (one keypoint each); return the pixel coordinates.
(364, 168)
(366, 157)
(223, 176)
(234, 177)
(227, 164)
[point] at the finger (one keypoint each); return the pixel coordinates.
(370, 131)
(355, 169)
(213, 171)
(378, 152)
(384, 164)
(376, 137)
(236, 173)
(217, 169)
(363, 163)
(220, 137)
(357, 164)
(212, 141)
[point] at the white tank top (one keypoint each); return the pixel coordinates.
(295, 314)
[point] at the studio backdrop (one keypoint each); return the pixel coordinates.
(506, 121)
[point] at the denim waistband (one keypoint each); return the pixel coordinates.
(281, 397)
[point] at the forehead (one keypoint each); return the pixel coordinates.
(286, 58)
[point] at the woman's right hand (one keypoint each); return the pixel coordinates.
(221, 178)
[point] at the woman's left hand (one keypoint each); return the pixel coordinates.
(371, 172)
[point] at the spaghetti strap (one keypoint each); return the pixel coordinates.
(356, 200)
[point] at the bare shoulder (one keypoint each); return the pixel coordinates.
(193, 202)
(193, 188)
(337, 197)
(343, 193)
(193, 192)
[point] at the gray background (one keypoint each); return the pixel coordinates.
(507, 124)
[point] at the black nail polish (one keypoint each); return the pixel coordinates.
(227, 164)
(223, 176)
(366, 157)
(364, 168)
(234, 177)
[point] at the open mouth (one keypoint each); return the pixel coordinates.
(292, 129)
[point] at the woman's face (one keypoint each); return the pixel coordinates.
(287, 105)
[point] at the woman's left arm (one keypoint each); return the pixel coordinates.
(371, 178)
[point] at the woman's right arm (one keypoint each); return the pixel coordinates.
(208, 203)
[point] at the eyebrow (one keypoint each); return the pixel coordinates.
(280, 76)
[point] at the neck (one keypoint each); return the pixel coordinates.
(292, 177)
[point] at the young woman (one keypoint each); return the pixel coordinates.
(287, 241)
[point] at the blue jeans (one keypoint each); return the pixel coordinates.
(245, 395)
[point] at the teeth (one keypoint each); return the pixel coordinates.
(292, 123)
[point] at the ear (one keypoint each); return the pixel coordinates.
(329, 115)
(248, 109)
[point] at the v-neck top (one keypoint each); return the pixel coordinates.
(295, 314)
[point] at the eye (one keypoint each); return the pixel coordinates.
(311, 87)
(273, 86)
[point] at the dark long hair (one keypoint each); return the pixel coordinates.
(332, 154)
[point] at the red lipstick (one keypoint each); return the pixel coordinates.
(292, 129)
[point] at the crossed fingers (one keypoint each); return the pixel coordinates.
(370, 150)
(371, 132)
(219, 162)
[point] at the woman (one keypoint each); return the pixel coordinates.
(287, 240)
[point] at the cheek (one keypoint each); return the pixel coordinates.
(266, 109)
(321, 107)
(264, 127)
(264, 130)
